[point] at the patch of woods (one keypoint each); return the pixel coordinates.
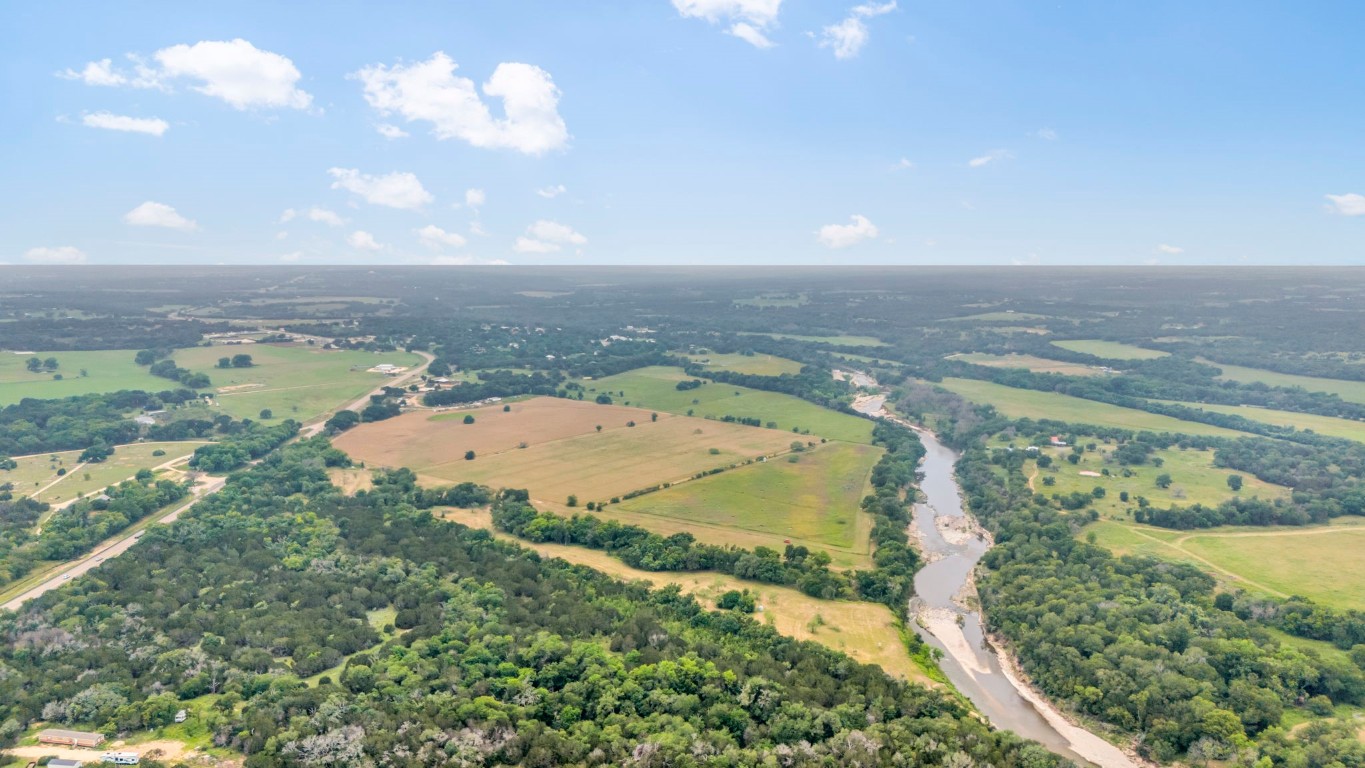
(38, 426)
(495, 656)
(235, 450)
(159, 363)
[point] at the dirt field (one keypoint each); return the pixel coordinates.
(564, 454)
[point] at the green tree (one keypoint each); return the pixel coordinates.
(573, 501)
(1235, 482)
(1163, 480)
(242, 361)
(34, 364)
(468, 455)
(224, 362)
(469, 418)
(50, 364)
(266, 413)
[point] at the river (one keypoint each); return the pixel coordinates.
(946, 617)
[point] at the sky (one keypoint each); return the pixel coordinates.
(883, 132)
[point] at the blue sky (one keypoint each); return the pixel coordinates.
(683, 131)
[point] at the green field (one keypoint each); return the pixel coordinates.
(1110, 350)
(655, 388)
(1029, 362)
(756, 365)
(847, 341)
(294, 382)
(38, 473)
(996, 317)
(1323, 425)
(106, 371)
(1019, 403)
(1350, 391)
(814, 500)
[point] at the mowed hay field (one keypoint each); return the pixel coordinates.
(106, 371)
(564, 454)
(867, 632)
(1323, 425)
(37, 475)
(1020, 403)
(756, 365)
(292, 381)
(814, 502)
(1028, 362)
(1110, 350)
(655, 388)
(1350, 391)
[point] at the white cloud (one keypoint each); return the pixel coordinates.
(430, 91)
(904, 164)
(436, 238)
(325, 216)
(475, 197)
(1046, 134)
(546, 236)
(552, 191)
(395, 190)
(391, 132)
(153, 126)
(232, 70)
(289, 215)
(363, 241)
(849, 36)
(747, 19)
(152, 214)
(63, 254)
(844, 235)
(475, 228)
(1347, 205)
(994, 155)
(96, 73)
(291, 257)
(1173, 250)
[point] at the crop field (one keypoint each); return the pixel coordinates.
(846, 341)
(293, 382)
(1350, 391)
(757, 365)
(655, 388)
(1029, 362)
(1019, 403)
(564, 454)
(38, 473)
(1323, 425)
(105, 371)
(1110, 350)
(812, 502)
(1322, 563)
(867, 632)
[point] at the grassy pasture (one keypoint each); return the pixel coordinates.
(1350, 391)
(655, 388)
(757, 365)
(1323, 425)
(1029, 362)
(1110, 350)
(294, 382)
(1019, 403)
(565, 454)
(846, 341)
(867, 632)
(996, 317)
(39, 472)
(813, 501)
(106, 371)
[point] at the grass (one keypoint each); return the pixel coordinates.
(1029, 362)
(1350, 391)
(846, 341)
(1323, 425)
(655, 388)
(106, 371)
(1110, 350)
(38, 473)
(756, 365)
(1019, 403)
(293, 382)
(868, 632)
(996, 317)
(814, 501)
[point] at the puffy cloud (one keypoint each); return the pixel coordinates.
(395, 190)
(994, 155)
(436, 238)
(849, 36)
(152, 214)
(1347, 205)
(551, 191)
(62, 254)
(363, 241)
(153, 126)
(844, 235)
(904, 164)
(475, 198)
(232, 70)
(320, 215)
(1173, 250)
(391, 132)
(747, 19)
(1046, 134)
(430, 91)
(546, 236)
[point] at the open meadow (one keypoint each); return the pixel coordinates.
(1110, 350)
(846, 341)
(1020, 403)
(105, 371)
(291, 381)
(1350, 391)
(755, 365)
(656, 388)
(1323, 425)
(1029, 362)
(37, 475)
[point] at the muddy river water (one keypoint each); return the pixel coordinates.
(946, 617)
